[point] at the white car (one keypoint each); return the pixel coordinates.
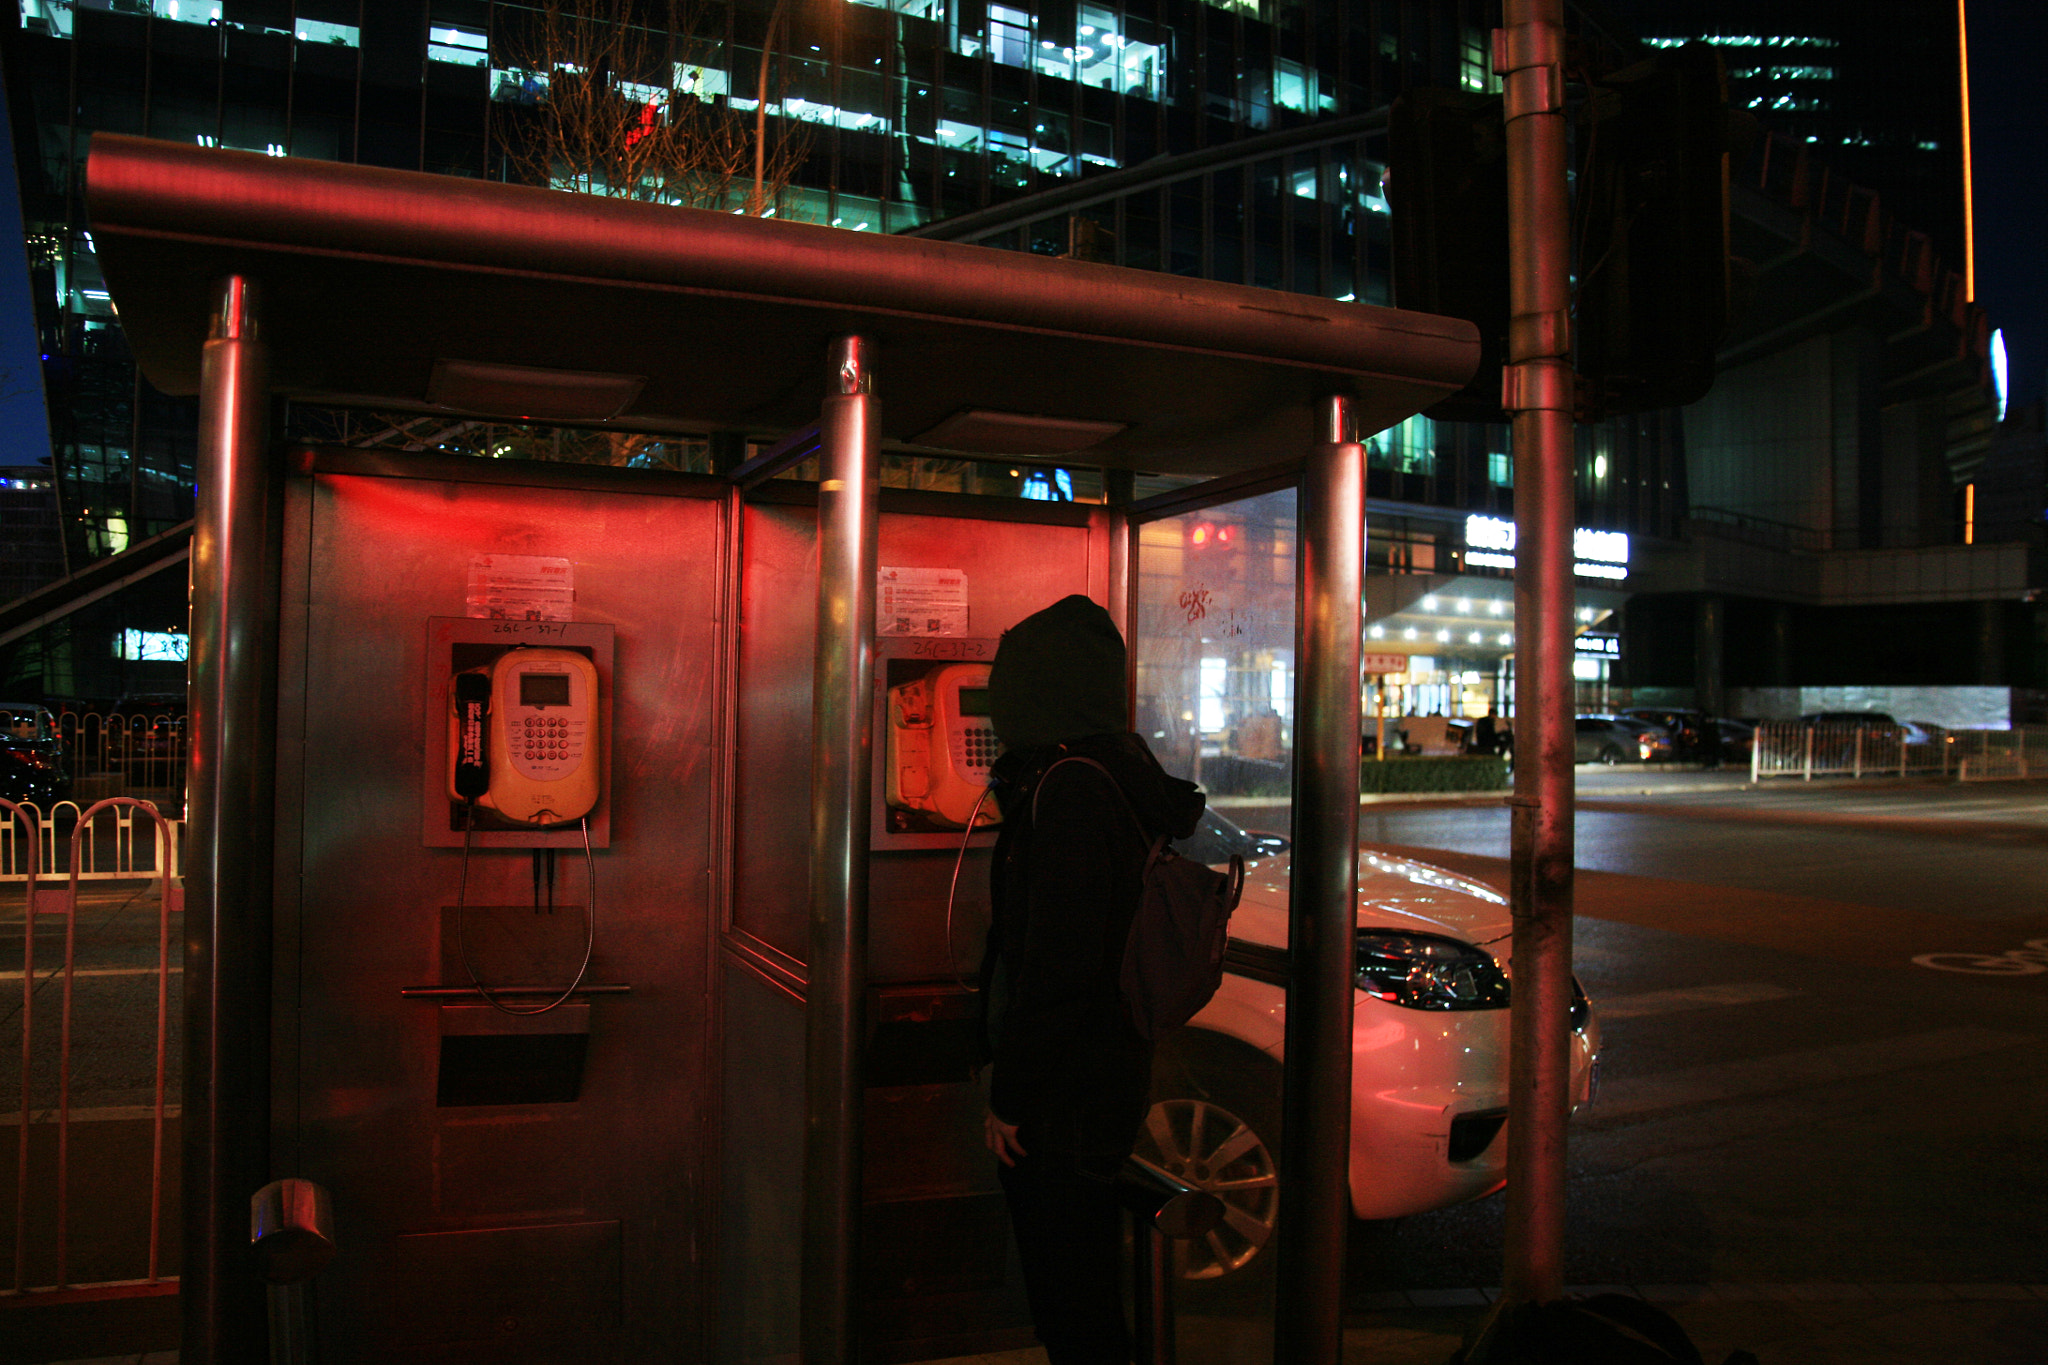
(1429, 1050)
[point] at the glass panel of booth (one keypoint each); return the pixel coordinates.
(1213, 639)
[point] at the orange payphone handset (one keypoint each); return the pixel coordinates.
(525, 738)
(941, 745)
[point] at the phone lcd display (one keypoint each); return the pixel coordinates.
(543, 689)
(974, 701)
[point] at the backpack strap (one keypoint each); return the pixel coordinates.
(1116, 786)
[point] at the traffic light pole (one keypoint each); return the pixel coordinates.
(1537, 389)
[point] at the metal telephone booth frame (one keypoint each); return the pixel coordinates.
(654, 1214)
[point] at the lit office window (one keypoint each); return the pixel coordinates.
(935, 10)
(1294, 86)
(52, 18)
(1407, 448)
(458, 45)
(1009, 35)
(1475, 62)
(1783, 73)
(333, 35)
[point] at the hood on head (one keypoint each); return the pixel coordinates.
(1059, 674)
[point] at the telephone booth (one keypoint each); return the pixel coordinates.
(572, 885)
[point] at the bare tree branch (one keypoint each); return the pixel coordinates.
(613, 107)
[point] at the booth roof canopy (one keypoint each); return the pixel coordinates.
(395, 289)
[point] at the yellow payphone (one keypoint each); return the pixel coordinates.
(525, 736)
(941, 745)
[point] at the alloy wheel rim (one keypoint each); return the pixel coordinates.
(1216, 1151)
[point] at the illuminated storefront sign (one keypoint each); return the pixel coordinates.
(1490, 544)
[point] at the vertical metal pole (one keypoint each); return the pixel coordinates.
(1152, 1335)
(1315, 1137)
(1538, 391)
(230, 788)
(842, 699)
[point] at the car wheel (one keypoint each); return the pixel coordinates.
(1215, 1124)
(1610, 755)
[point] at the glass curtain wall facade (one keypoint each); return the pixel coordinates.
(905, 112)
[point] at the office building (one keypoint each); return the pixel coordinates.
(1235, 139)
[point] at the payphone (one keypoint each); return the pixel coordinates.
(941, 744)
(522, 740)
(525, 736)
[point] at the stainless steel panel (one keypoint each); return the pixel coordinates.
(762, 1142)
(502, 1293)
(930, 1184)
(1013, 568)
(382, 556)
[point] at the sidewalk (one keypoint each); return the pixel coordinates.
(1798, 1324)
(1803, 1324)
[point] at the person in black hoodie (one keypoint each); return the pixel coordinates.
(1070, 1073)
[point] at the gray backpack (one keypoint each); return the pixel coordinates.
(1173, 956)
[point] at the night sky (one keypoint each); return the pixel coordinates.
(2007, 41)
(24, 435)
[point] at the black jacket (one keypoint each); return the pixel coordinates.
(1069, 1067)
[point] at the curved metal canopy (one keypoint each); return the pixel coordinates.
(397, 289)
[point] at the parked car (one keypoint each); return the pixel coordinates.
(145, 737)
(1738, 739)
(1926, 732)
(31, 755)
(1689, 730)
(1618, 739)
(1871, 723)
(1429, 1080)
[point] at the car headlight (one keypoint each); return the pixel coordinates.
(1424, 972)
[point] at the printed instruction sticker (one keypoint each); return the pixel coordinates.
(921, 602)
(521, 588)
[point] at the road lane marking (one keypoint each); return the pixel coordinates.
(1719, 1082)
(2031, 960)
(1650, 1003)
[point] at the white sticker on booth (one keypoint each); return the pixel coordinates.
(921, 602)
(521, 588)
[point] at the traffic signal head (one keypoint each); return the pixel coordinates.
(1652, 228)
(1447, 186)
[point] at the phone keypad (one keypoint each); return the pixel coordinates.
(979, 746)
(542, 739)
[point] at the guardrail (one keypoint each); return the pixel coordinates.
(112, 849)
(1795, 749)
(132, 754)
(79, 1108)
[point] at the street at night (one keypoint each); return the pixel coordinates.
(1805, 1143)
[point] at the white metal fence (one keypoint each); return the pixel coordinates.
(126, 838)
(97, 1117)
(1791, 748)
(139, 754)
